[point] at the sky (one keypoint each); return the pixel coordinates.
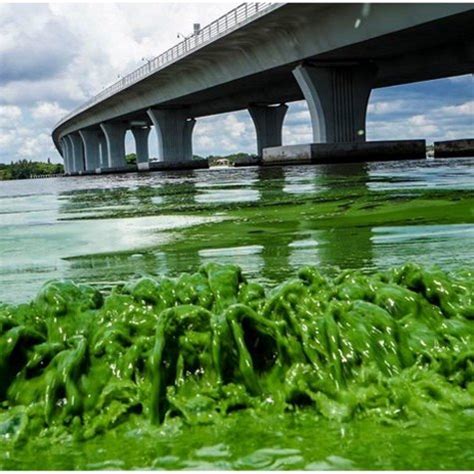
(55, 56)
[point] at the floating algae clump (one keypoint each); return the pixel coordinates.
(392, 345)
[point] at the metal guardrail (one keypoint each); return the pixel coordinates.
(236, 18)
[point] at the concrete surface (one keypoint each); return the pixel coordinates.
(345, 152)
(454, 148)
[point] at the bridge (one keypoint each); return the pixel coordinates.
(259, 57)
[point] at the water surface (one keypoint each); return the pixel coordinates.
(107, 230)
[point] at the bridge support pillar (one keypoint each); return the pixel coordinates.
(174, 131)
(268, 123)
(77, 152)
(69, 155)
(141, 146)
(69, 162)
(90, 139)
(65, 155)
(103, 152)
(337, 97)
(115, 139)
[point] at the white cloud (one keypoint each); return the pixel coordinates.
(25, 93)
(7, 139)
(297, 127)
(225, 134)
(33, 43)
(462, 109)
(31, 145)
(48, 112)
(55, 56)
(418, 120)
(9, 116)
(386, 107)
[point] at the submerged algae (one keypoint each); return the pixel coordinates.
(392, 346)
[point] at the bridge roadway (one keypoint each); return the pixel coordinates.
(261, 56)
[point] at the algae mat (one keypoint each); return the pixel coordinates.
(203, 358)
(151, 348)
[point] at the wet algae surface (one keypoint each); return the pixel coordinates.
(321, 319)
(212, 348)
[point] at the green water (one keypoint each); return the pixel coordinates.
(334, 369)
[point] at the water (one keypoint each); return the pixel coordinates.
(246, 442)
(105, 230)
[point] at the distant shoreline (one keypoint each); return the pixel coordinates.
(25, 169)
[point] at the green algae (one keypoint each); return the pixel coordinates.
(425, 212)
(185, 198)
(393, 346)
(340, 207)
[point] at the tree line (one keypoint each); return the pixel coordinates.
(25, 169)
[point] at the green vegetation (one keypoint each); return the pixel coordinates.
(25, 169)
(391, 346)
(131, 159)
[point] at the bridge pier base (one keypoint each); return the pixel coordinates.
(77, 152)
(337, 97)
(90, 139)
(174, 132)
(115, 140)
(141, 146)
(268, 123)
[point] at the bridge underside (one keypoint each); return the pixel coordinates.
(335, 81)
(396, 66)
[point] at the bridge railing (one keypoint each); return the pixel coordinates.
(234, 19)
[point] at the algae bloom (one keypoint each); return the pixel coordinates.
(391, 346)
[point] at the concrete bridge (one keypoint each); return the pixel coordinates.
(259, 57)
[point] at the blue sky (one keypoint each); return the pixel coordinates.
(50, 62)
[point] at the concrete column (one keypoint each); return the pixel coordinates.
(77, 152)
(69, 161)
(141, 146)
(90, 139)
(65, 155)
(188, 138)
(62, 152)
(70, 157)
(104, 154)
(174, 132)
(115, 138)
(268, 123)
(337, 98)
(61, 148)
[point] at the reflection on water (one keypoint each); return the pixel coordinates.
(248, 256)
(448, 246)
(270, 221)
(346, 246)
